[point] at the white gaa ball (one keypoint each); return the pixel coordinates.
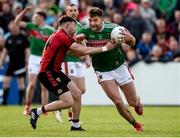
(116, 33)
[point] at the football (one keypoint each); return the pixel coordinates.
(116, 33)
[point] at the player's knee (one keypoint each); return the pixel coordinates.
(133, 102)
(83, 91)
(118, 102)
(70, 103)
(78, 95)
(31, 85)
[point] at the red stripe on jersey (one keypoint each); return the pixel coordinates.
(66, 68)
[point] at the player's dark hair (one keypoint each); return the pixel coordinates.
(41, 13)
(95, 11)
(72, 5)
(65, 19)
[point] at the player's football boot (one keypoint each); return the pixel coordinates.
(138, 127)
(139, 108)
(33, 117)
(77, 129)
(58, 116)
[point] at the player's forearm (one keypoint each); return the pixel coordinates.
(19, 17)
(131, 42)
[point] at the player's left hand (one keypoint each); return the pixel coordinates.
(79, 38)
(126, 36)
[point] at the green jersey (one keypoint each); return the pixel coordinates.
(70, 58)
(37, 37)
(106, 61)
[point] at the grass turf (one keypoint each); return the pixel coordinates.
(99, 121)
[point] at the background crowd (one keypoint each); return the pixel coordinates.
(154, 23)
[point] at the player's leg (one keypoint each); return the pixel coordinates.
(125, 80)
(69, 68)
(111, 89)
(56, 83)
(21, 87)
(33, 69)
(44, 95)
(6, 86)
(32, 79)
(76, 93)
(65, 102)
(132, 99)
(80, 77)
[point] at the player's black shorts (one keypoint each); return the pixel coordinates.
(16, 69)
(55, 82)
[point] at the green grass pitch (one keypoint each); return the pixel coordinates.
(99, 121)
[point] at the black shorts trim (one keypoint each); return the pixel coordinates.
(55, 82)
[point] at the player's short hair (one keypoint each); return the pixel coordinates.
(65, 19)
(71, 5)
(41, 13)
(95, 11)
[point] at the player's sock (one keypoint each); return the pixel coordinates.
(41, 110)
(75, 123)
(5, 96)
(21, 95)
(133, 122)
(58, 116)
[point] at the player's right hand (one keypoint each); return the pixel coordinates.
(28, 9)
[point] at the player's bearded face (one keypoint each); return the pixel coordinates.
(95, 23)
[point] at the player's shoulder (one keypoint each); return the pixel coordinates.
(86, 27)
(110, 25)
(49, 28)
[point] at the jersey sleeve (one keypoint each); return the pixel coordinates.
(30, 26)
(81, 31)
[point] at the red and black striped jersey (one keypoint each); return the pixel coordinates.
(55, 51)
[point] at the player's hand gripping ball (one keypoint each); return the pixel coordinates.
(117, 34)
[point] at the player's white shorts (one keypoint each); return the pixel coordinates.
(76, 69)
(121, 75)
(34, 64)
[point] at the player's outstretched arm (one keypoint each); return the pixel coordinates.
(20, 16)
(80, 50)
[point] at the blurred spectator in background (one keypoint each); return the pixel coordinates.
(145, 46)
(174, 52)
(1, 43)
(6, 16)
(161, 29)
(117, 18)
(165, 8)
(83, 12)
(174, 27)
(136, 24)
(156, 55)
(148, 14)
(16, 47)
(162, 43)
(64, 3)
